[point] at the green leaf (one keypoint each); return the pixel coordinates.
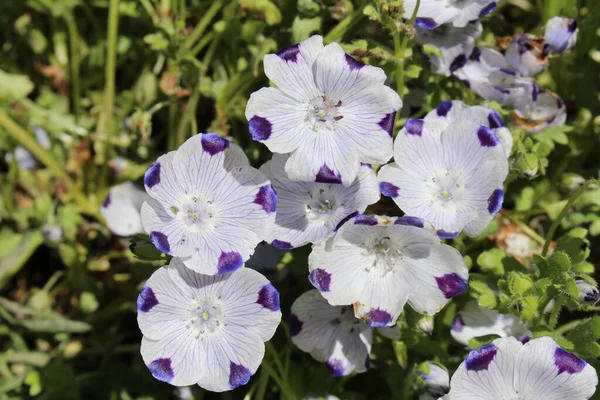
(266, 7)
(302, 28)
(55, 324)
(479, 341)
(585, 336)
(142, 248)
(486, 297)
(519, 283)
(401, 351)
(559, 261)
(15, 251)
(491, 261)
(14, 87)
(157, 41)
(529, 307)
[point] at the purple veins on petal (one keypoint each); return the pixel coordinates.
(238, 375)
(442, 234)
(378, 318)
(290, 53)
(106, 202)
(326, 175)
(425, 23)
(229, 262)
(495, 120)
(320, 279)
(352, 63)
(365, 220)
(152, 175)
(387, 123)
(389, 189)
(414, 126)
(268, 297)
(266, 198)
(280, 244)
(487, 137)
(475, 54)
(213, 143)
(567, 362)
(295, 325)
(160, 241)
(146, 299)
(457, 324)
(495, 201)
(344, 220)
(444, 107)
(451, 284)
(458, 63)
(161, 369)
(335, 366)
(410, 221)
(480, 358)
(487, 9)
(260, 128)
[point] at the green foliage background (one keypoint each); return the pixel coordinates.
(134, 79)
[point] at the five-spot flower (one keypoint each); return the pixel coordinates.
(561, 34)
(547, 111)
(308, 212)
(509, 369)
(433, 13)
(528, 54)
(377, 264)
(203, 329)
(208, 205)
(329, 111)
(121, 209)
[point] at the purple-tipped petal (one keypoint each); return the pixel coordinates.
(524, 339)
(229, 262)
(451, 284)
(495, 120)
(344, 220)
(280, 244)
(152, 175)
(289, 54)
(442, 234)
(487, 9)
(335, 366)
(487, 137)
(161, 369)
(260, 128)
(213, 143)
(268, 297)
(567, 362)
(475, 54)
(326, 175)
(414, 126)
(410, 221)
(387, 123)
(295, 325)
(352, 63)
(160, 241)
(458, 63)
(457, 324)
(238, 375)
(378, 318)
(365, 220)
(146, 299)
(495, 201)
(425, 23)
(106, 202)
(444, 108)
(320, 279)
(480, 358)
(266, 198)
(389, 189)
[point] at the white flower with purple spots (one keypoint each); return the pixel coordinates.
(474, 321)
(448, 173)
(547, 111)
(508, 369)
(377, 264)
(455, 44)
(208, 205)
(433, 13)
(527, 54)
(561, 34)
(308, 212)
(329, 111)
(456, 110)
(331, 334)
(121, 209)
(436, 378)
(589, 295)
(203, 329)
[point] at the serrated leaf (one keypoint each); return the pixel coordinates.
(559, 261)
(486, 297)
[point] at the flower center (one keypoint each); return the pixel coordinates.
(346, 320)
(196, 212)
(205, 318)
(445, 188)
(387, 255)
(321, 204)
(323, 112)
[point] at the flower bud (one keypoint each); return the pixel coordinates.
(588, 294)
(437, 380)
(561, 34)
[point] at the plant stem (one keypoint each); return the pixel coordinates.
(555, 311)
(400, 51)
(562, 214)
(203, 23)
(202, 43)
(285, 389)
(263, 380)
(526, 229)
(273, 353)
(188, 116)
(338, 31)
(75, 84)
(19, 134)
(569, 326)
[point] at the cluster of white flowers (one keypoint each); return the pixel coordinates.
(205, 317)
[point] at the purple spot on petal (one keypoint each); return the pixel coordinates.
(480, 358)
(290, 53)
(442, 234)
(320, 279)
(414, 126)
(152, 175)
(487, 9)
(524, 339)
(487, 137)
(146, 299)
(344, 220)
(106, 202)
(378, 318)
(458, 63)
(508, 71)
(444, 107)
(280, 244)
(495, 201)
(410, 221)
(368, 362)
(475, 54)
(268, 297)
(229, 262)
(389, 189)
(266, 198)
(161, 369)
(335, 366)
(535, 92)
(326, 175)
(501, 89)
(425, 23)
(365, 220)
(451, 284)
(572, 26)
(295, 325)
(387, 123)
(567, 362)
(495, 120)
(457, 324)
(260, 128)
(213, 143)
(352, 63)
(160, 241)
(238, 375)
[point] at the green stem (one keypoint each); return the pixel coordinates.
(569, 326)
(563, 213)
(273, 353)
(188, 116)
(526, 229)
(19, 134)
(285, 389)
(203, 23)
(400, 51)
(338, 31)
(263, 380)
(75, 62)
(555, 311)
(202, 43)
